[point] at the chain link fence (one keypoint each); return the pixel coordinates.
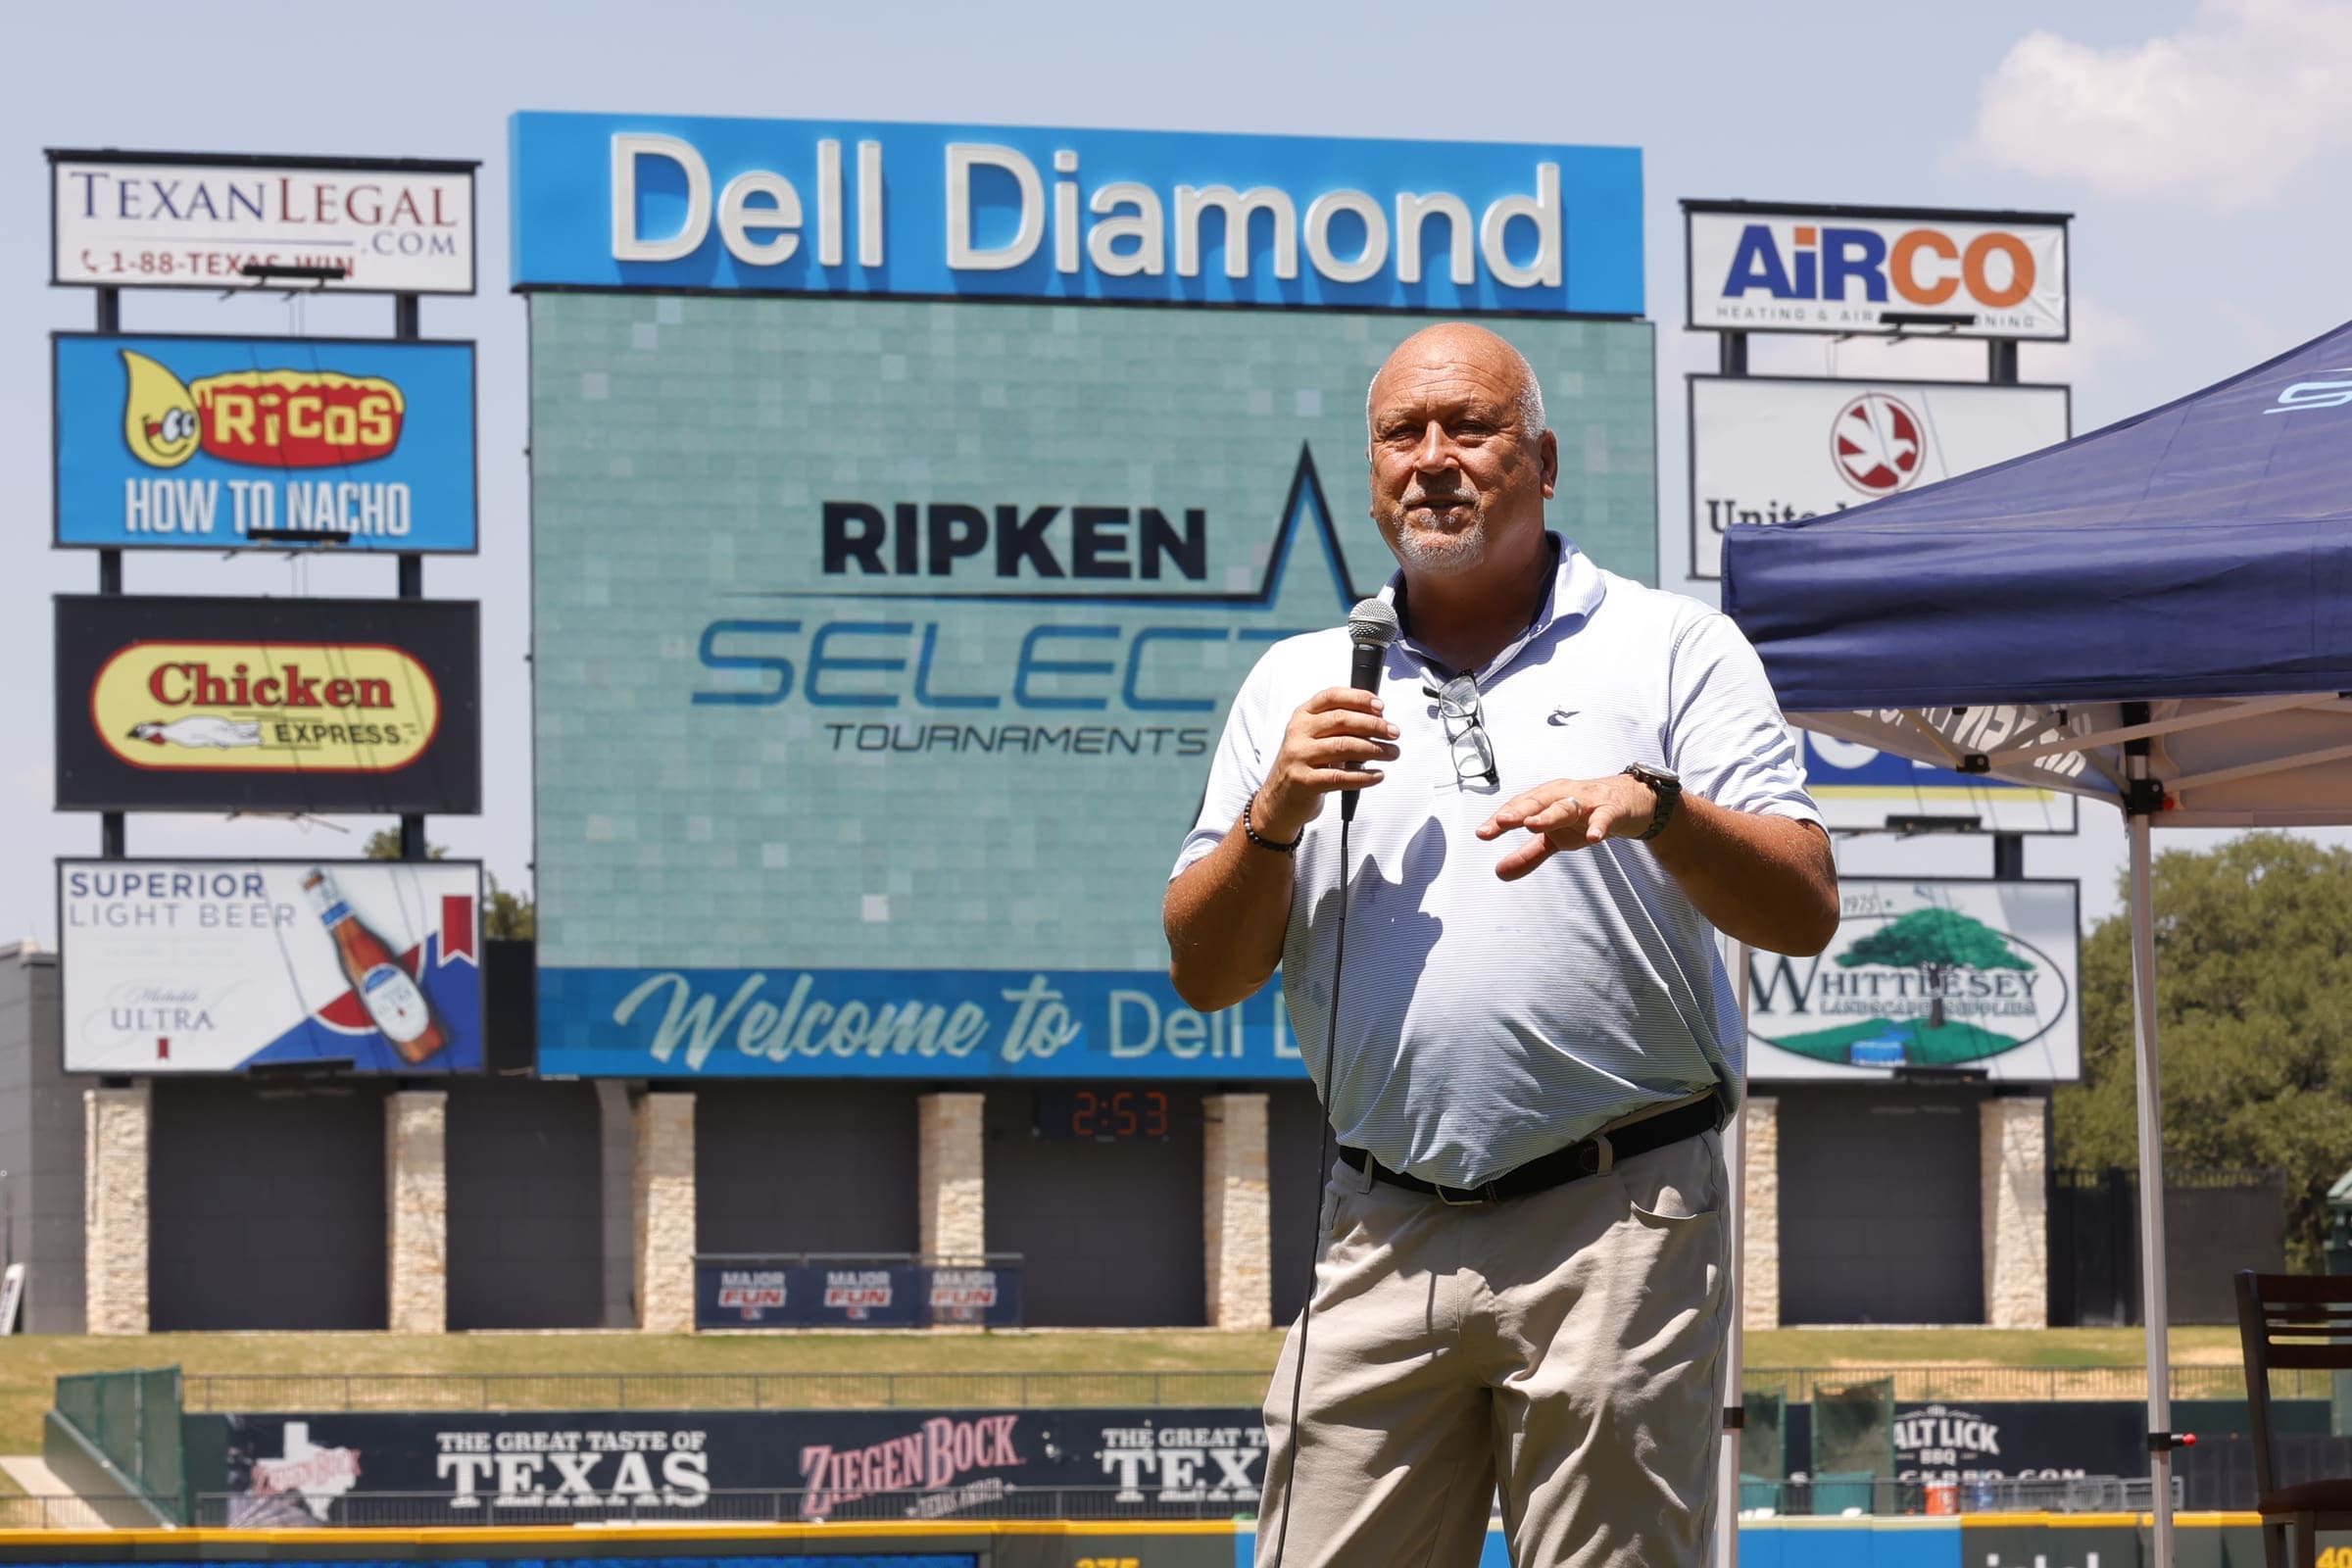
(950, 1391)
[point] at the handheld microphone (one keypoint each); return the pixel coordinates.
(1371, 626)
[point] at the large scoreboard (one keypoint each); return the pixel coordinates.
(886, 615)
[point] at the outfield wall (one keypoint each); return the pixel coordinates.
(2050, 1541)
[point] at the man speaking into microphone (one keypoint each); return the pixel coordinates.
(1569, 783)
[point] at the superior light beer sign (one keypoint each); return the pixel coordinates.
(178, 967)
(1974, 976)
(289, 704)
(236, 443)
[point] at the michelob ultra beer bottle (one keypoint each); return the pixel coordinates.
(392, 999)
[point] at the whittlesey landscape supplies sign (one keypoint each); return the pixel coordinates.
(1927, 974)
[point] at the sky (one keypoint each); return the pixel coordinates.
(2202, 148)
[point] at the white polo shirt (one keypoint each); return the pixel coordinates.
(1483, 1023)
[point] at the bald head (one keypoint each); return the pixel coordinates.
(1461, 345)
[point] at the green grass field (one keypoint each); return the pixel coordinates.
(29, 1364)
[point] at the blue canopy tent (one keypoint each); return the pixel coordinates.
(2157, 615)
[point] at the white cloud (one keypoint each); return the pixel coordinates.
(2226, 108)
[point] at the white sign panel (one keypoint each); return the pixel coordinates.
(175, 966)
(167, 221)
(1861, 789)
(1927, 974)
(1773, 449)
(1762, 268)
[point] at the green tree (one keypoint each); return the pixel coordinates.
(505, 915)
(1934, 942)
(2254, 1023)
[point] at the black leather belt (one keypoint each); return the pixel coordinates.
(1591, 1158)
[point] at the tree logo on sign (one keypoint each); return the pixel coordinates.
(1878, 444)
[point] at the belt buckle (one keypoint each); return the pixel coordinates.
(1472, 1197)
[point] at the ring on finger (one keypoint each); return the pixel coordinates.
(1573, 804)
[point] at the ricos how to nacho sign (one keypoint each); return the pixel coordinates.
(1941, 974)
(230, 443)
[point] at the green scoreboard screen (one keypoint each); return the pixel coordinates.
(881, 646)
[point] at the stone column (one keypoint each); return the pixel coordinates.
(1237, 1212)
(115, 1125)
(1760, 1240)
(2013, 1166)
(950, 1189)
(664, 1212)
(417, 1205)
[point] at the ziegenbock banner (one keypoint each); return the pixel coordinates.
(746, 1292)
(238, 443)
(283, 1469)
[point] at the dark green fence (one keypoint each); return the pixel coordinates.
(131, 1420)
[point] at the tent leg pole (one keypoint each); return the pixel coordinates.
(2154, 1311)
(1734, 1347)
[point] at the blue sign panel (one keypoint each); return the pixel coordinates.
(230, 443)
(899, 1023)
(968, 212)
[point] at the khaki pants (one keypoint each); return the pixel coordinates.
(1567, 1345)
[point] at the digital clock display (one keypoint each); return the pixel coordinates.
(1105, 1115)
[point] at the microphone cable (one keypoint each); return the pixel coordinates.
(1372, 625)
(1306, 1310)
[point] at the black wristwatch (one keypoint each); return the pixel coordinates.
(1669, 790)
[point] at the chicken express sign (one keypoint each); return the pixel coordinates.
(284, 703)
(236, 443)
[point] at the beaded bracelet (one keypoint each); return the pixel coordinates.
(1260, 840)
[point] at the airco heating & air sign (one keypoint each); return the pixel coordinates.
(274, 704)
(1763, 268)
(200, 220)
(235, 443)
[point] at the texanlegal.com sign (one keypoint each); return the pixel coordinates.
(144, 220)
(1921, 973)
